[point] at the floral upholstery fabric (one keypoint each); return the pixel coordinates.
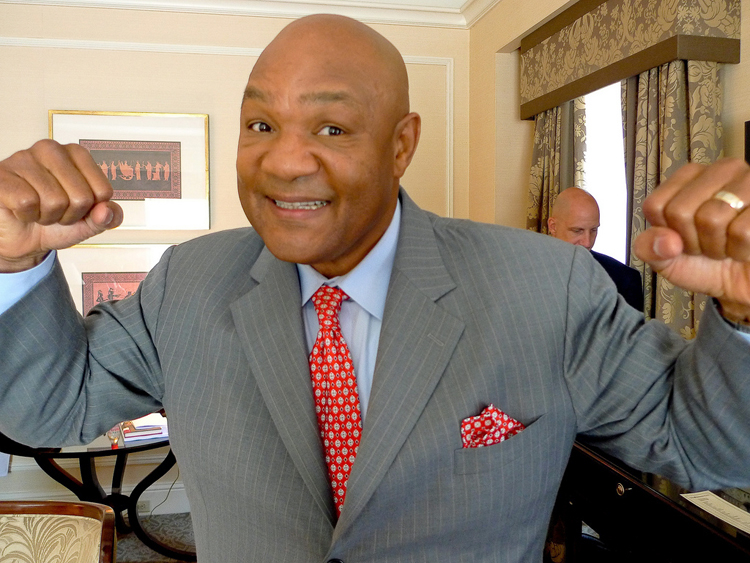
(49, 538)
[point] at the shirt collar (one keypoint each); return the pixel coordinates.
(367, 283)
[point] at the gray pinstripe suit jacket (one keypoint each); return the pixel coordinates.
(475, 314)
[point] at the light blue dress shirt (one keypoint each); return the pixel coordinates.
(14, 286)
(362, 314)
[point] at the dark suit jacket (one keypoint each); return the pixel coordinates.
(475, 314)
(627, 279)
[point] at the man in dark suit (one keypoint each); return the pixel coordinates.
(461, 334)
(575, 219)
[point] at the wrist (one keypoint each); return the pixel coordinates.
(14, 265)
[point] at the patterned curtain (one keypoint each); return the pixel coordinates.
(677, 119)
(557, 159)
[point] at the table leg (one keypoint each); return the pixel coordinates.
(51, 468)
(118, 501)
(140, 488)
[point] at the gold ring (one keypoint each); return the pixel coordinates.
(730, 199)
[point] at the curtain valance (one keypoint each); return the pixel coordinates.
(597, 42)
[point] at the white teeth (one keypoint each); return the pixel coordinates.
(300, 204)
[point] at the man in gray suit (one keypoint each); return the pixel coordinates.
(446, 318)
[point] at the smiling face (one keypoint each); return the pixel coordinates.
(325, 137)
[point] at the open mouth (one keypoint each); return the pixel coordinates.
(304, 205)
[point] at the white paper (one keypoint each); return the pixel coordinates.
(153, 419)
(717, 506)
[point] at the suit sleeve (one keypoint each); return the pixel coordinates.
(67, 380)
(643, 394)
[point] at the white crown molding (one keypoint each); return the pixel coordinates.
(426, 13)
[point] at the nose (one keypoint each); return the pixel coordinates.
(588, 241)
(289, 156)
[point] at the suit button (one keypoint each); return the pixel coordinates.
(335, 561)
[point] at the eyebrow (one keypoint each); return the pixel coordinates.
(252, 93)
(323, 97)
(327, 97)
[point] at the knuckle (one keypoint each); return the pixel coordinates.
(708, 222)
(26, 203)
(45, 146)
(678, 215)
(77, 151)
(738, 234)
(81, 203)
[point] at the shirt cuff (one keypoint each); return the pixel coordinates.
(13, 287)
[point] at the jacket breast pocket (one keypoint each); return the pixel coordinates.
(533, 440)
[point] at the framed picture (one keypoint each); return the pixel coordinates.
(157, 163)
(99, 273)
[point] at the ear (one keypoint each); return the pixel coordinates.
(406, 138)
(551, 227)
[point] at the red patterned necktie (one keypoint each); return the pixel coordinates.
(335, 391)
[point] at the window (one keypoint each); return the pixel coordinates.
(604, 171)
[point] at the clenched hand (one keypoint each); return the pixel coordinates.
(699, 237)
(52, 196)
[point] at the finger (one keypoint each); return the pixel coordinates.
(29, 190)
(656, 202)
(658, 247)
(71, 195)
(738, 237)
(702, 230)
(95, 178)
(723, 230)
(105, 215)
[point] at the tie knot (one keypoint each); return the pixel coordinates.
(327, 301)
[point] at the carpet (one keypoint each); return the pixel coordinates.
(175, 530)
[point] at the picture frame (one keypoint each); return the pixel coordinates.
(157, 163)
(102, 272)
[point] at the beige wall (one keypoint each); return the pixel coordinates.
(500, 142)
(737, 93)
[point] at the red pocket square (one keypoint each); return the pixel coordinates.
(489, 427)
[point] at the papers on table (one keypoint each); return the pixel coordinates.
(147, 427)
(726, 511)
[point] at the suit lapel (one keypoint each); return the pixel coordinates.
(269, 321)
(417, 340)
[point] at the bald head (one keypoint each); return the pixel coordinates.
(575, 218)
(342, 47)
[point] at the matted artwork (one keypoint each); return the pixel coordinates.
(157, 163)
(99, 287)
(139, 169)
(105, 272)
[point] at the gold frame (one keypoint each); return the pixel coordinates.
(190, 210)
